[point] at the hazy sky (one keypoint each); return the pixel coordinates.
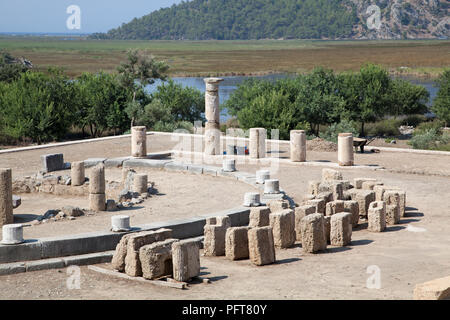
(51, 16)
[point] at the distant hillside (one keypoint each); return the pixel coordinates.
(288, 19)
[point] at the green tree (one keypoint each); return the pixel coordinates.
(37, 106)
(366, 94)
(136, 73)
(441, 105)
(406, 98)
(101, 102)
(11, 68)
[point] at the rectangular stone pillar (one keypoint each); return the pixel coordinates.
(236, 243)
(300, 213)
(341, 229)
(185, 259)
(392, 199)
(313, 233)
(259, 217)
(352, 207)
(283, 228)
(214, 236)
(377, 216)
(261, 246)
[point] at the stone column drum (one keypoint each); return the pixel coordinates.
(97, 187)
(139, 142)
(298, 145)
(6, 205)
(257, 143)
(212, 115)
(77, 173)
(345, 149)
(140, 183)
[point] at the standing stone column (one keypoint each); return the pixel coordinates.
(212, 115)
(139, 142)
(257, 143)
(97, 187)
(298, 145)
(345, 149)
(77, 173)
(6, 204)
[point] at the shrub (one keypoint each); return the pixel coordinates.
(427, 126)
(331, 134)
(384, 128)
(431, 139)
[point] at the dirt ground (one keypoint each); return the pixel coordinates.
(412, 252)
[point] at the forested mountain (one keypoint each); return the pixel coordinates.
(288, 19)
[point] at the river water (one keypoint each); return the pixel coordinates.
(230, 84)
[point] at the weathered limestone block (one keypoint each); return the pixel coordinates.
(325, 196)
(300, 213)
(334, 207)
(338, 191)
(156, 259)
(377, 216)
(380, 190)
(77, 173)
(283, 228)
(313, 187)
(364, 199)
(313, 233)
(345, 149)
(257, 143)
(140, 183)
(298, 145)
(327, 226)
(331, 175)
(261, 246)
(134, 242)
(369, 185)
(319, 204)
(358, 182)
(277, 205)
(97, 202)
(214, 237)
(236, 243)
(139, 142)
(341, 229)
(352, 207)
(438, 289)
(259, 217)
(6, 203)
(185, 259)
(392, 199)
(97, 179)
(52, 162)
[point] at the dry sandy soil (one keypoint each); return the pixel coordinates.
(412, 252)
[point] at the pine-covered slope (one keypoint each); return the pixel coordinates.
(289, 19)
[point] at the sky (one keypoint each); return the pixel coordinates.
(51, 15)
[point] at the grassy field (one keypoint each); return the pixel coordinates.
(424, 58)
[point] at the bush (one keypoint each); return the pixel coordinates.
(427, 126)
(442, 102)
(331, 134)
(384, 128)
(431, 139)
